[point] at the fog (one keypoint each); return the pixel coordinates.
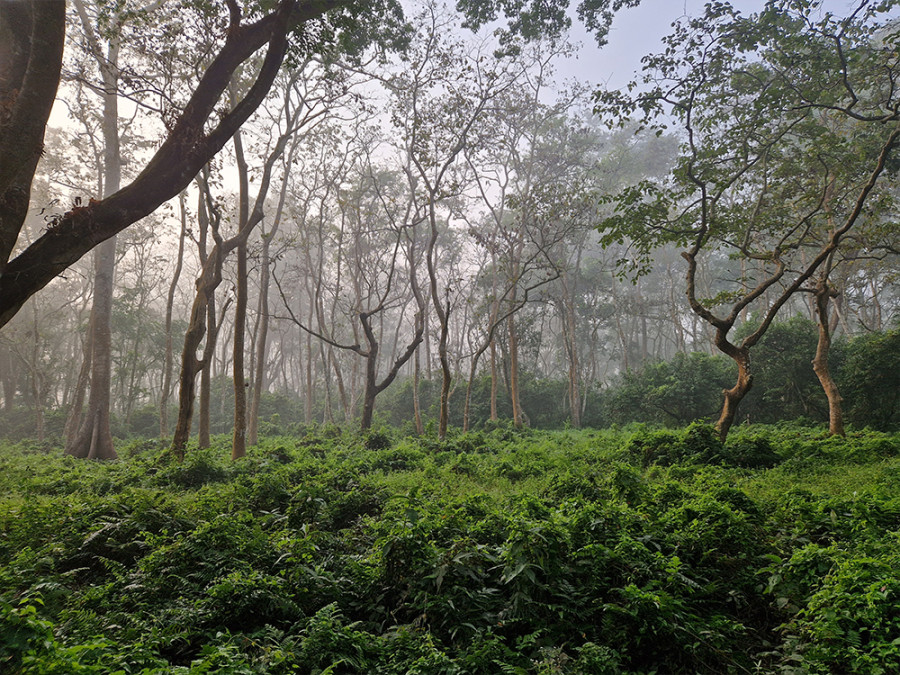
(462, 231)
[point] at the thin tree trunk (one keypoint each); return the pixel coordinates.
(494, 381)
(259, 382)
(239, 437)
(417, 412)
(37, 385)
(514, 370)
(170, 301)
(74, 418)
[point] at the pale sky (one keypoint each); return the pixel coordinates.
(637, 32)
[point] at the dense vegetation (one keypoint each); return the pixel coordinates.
(635, 550)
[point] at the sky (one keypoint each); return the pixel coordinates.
(638, 31)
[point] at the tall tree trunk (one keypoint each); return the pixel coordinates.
(170, 301)
(495, 382)
(824, 292)
(514, 370)
(571, 346)
(442, 308)
(259, 382)
(417, 412)
(94, 440)
(204, 414)
(239, 437)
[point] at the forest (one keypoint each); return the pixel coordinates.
(401, 351)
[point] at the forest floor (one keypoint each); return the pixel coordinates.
(631, 550)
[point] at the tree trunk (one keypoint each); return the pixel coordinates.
(823, 294)
(89, 442)
(94, 440)
(417, 412)
(514, 371)
(571, 346)
(494, 382)
(200, 326)
(170, 301)
(37, 378)
(74, 418)
(371, 386)
(259, 382)
(733, 396)
(239, 437)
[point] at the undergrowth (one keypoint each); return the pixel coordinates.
(620, 551)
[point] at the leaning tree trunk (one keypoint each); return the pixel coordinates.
(824, 292)
(200, 326)
(734, 396)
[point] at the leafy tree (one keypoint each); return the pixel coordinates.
(789, 122)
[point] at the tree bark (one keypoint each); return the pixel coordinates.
(824, 292)
(239, 436)
(94, 440)
(32, 35)
(170, 301)
(734, 396)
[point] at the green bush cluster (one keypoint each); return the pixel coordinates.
(572, 552)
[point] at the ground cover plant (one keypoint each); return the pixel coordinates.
(632, 550)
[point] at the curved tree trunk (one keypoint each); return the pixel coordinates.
(734, 396)
(824, 292)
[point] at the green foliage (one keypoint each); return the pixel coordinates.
(675, 392)
(498, 551)
(699, 443)
(870, 380)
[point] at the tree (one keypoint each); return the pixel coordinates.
(33, 39)
(443, 100)
(378, 274)
(93, 439)
(36, 32)
(777, 110)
